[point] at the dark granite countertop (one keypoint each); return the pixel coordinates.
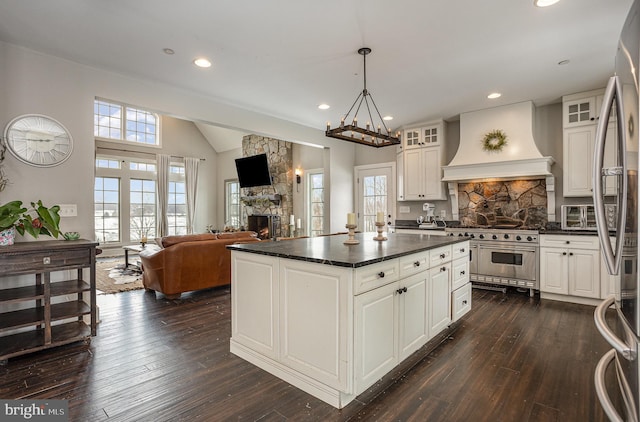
(331, 250)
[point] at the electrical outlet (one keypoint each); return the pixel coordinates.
(443, 213)
(68, 210)
(405, 210)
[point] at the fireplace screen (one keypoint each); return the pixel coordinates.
(267, 226)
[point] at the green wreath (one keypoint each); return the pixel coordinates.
(494, 140)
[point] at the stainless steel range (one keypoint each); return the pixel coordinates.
(506, 257)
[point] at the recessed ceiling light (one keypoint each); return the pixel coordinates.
(168, 51)
(324, 106)
(202, 62)
(544, 3)
(494, 95)
(563, 62)
(387, 118)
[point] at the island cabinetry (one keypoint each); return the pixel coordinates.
(570, 265)
(391, 323)
(51, 311)
(334, 330)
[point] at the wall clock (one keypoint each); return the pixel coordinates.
(38, 140)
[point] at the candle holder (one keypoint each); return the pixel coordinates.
(379, 226)
(352, 235)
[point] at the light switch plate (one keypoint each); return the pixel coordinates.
(405, 210)
(68, 210)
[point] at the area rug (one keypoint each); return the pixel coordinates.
(112, 277)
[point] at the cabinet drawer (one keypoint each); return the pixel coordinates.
(413, 264)
(461, 302)
(439, 256)
(21, 263)
(581, 242)
(459, 273)
(460, 250)
(373, 276)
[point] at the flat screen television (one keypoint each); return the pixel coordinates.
(253, 171)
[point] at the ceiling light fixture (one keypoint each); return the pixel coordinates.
(202, 62)
(168, 51)
(324, 106)
(544, 3)
(494, 95)
(364, 135)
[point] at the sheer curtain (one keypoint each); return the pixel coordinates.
(162, 161)
(191, 187)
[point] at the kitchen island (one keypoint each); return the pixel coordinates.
(332, 319)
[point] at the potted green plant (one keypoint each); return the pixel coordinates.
(37, 220)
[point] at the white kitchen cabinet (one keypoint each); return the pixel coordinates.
(580, 117)
(376, 330)
(607, 281)
(439, 292)
(570, 265)
(420, 177)
(461, 302)
(400, 176)
(334, 331)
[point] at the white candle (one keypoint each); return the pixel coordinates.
(292, 220)
(299, 223)
(379, 217)
(351, 218)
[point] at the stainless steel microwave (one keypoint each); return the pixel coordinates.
(583, 217)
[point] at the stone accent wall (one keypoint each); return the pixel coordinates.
(280, 158)
(503, 203)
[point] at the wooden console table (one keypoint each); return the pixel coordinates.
(37, 322)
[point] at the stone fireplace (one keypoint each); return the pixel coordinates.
(260, 201)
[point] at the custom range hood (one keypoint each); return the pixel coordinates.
(518, 159)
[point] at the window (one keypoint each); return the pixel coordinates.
(142, 209)
(232, 203)
(177, 210)
(107, 209)
(374, 200)
(315, 202)
(107, 164)
(124, 123)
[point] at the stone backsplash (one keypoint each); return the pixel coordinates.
(280, 158)
(521, 203)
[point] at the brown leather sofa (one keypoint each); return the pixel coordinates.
(190, 262)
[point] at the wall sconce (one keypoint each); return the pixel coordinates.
(298, 178)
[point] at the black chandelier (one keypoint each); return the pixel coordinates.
(380, 137)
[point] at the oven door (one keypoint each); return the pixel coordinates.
(473, 259)
(514, 262)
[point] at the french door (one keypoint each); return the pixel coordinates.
(375, 192)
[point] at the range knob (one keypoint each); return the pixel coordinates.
(506, 236)
(472, 235)
(529, 238)
(481, 236)
(460, 234)
(494, 237)
(518, 237)
(466, 234)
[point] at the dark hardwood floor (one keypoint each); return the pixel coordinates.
(512, 358)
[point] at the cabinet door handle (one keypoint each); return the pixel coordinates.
(416, 264)
(564, 253)
(443, 269)
(567, 242)
(401, 290)
(570, 253)
(462, 250)
(464, 302)
(443, 256)
(461, 272)
(381, 274)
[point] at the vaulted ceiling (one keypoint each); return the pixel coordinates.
(430, 58)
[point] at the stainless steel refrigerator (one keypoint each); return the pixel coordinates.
(621, 400)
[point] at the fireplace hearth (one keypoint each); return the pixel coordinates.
(266, 225)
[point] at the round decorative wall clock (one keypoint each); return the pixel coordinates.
(38, 140)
